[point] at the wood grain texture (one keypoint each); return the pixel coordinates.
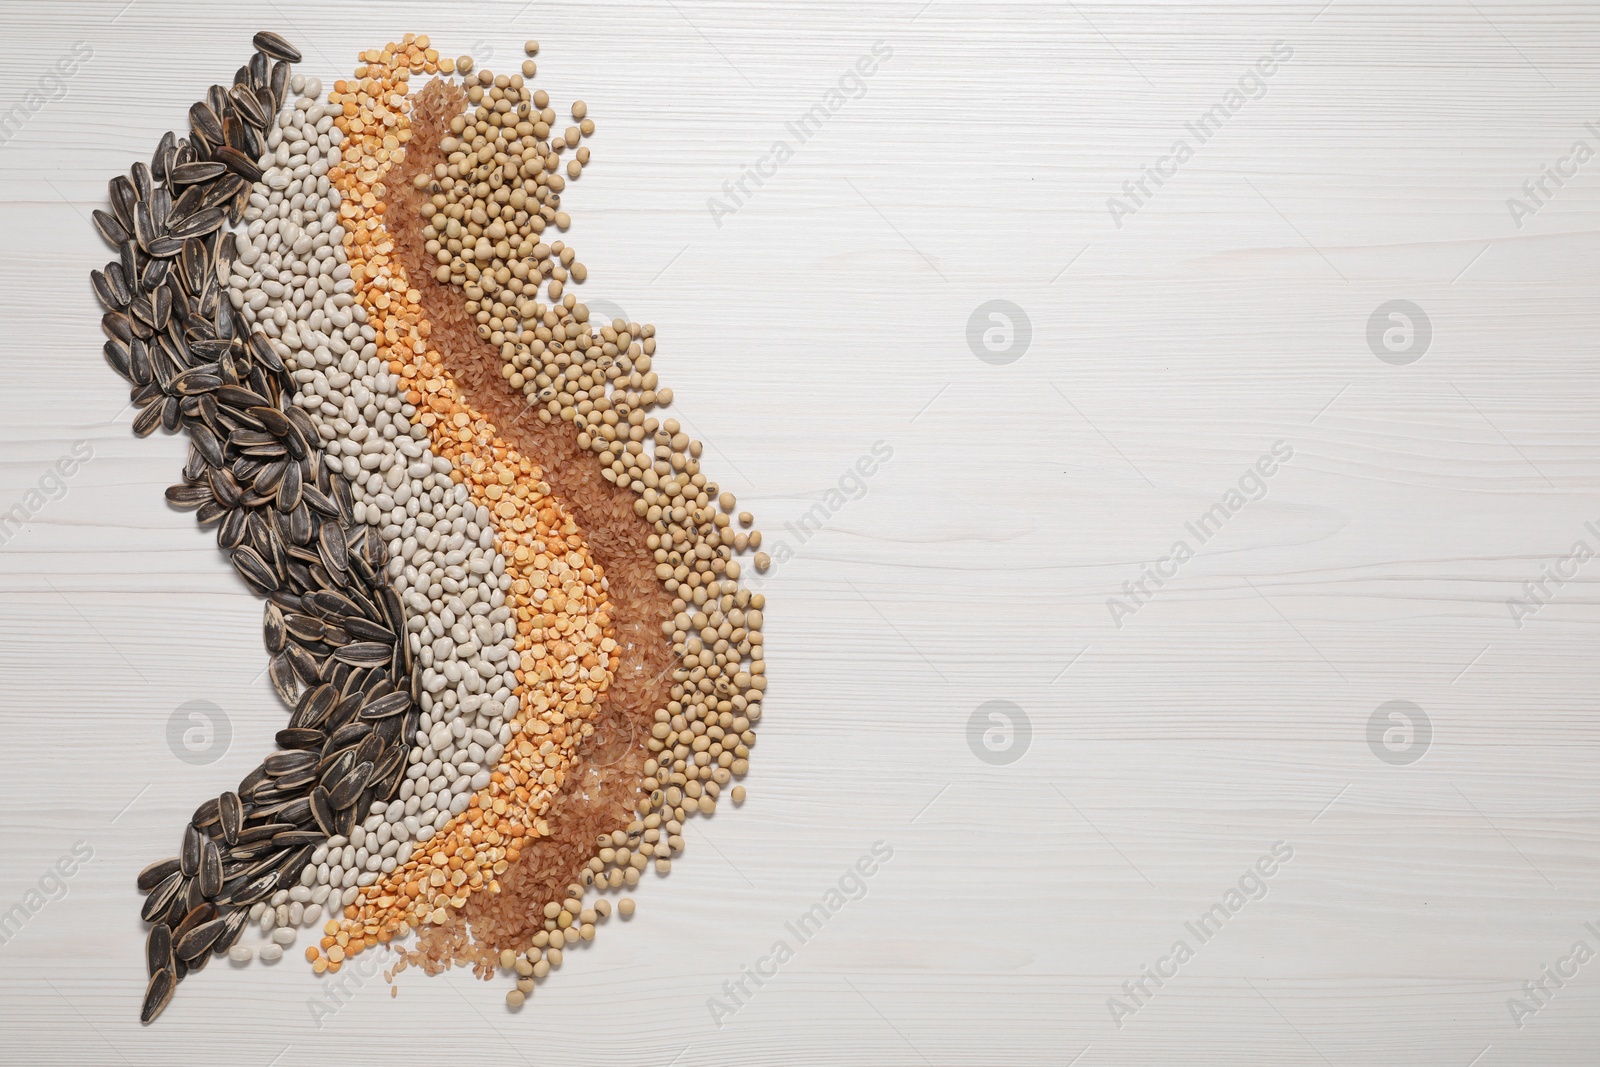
(831, 311)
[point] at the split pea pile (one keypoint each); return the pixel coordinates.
(582, 671)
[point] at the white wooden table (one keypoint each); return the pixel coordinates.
(1170, 345)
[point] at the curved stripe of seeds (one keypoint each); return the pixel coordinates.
(565, 634)
(686, 784)
(293, 239)
(603, 797)
(332, 620)
(305, 342)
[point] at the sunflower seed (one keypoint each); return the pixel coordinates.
(304, 627)
(273, 628)
(199, 224)
(205, 122)
(210, 869)
(335, 769)
(158, 948)
(140, 173)
(262, 831)
(118, 281)
(305, 665)
(225, 487)
(242, 399)
(284, 681)
(206, 443)
(368, 751)
(163, 245)
(194, 173)
(258, 889)
(117, 326)
(385, 706)
(299, 737)
(344, 793)
(194, 470)
(160, 201)
(241, 138)
(297, 811)
(233, 925)
(162, 896)
(199, 915)
(189, 855)
(156, 873)
(239, 163)
(171, 414)
(321, 810)
(224, 191)
(289, 870)
(289, 491)
(392, 765)
(189, 496)
(105, 293)
(256, 70)
(335, 552)
(110, 227)
(117, 355)
(351, 733)
(158, 994)
(314, 707)
(231, 810)
(124, 198)
(250, 106)
(232, 531)
(282, 763)
(147, 420)
(195, 265)
(254, 569)
(364, 654)
(263, 350)
(276, 47)
(209, 514)
(198, 941)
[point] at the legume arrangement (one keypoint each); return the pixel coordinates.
(502, 599)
